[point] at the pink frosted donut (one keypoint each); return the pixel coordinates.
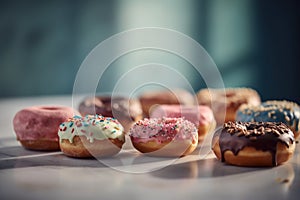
(201, 116)
(36, 127)
(164, 136)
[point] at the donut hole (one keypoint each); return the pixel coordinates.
(49, 108)
(229, 94)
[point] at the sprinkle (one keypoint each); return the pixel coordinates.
(269, 115)
(109, 126)
(78, 123)
(85, 124)
(287, 118)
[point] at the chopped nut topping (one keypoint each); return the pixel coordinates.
(253, 129)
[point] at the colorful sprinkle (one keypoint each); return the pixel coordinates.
(93, 127)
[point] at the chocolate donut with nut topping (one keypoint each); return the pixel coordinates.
(256, 144)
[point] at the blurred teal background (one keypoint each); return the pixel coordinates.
(254, 43)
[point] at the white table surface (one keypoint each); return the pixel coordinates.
(32, 175)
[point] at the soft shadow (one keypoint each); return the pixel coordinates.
(207, 168)
(18, 157)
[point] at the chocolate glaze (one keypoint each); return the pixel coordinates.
(236, 136)
(117, 107)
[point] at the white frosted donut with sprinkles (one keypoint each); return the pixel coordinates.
(91, 136)
(168, 137)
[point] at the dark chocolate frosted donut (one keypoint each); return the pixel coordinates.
(272, 111)
(126, 111)
(254, 143)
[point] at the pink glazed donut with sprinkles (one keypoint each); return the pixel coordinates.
(166, 137)
(36, 126)
(201, 116)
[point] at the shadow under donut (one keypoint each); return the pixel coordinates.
(206, 168)
(18, 157)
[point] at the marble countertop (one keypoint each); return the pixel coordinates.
(32, 175)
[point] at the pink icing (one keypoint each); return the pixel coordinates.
(163, 129)
(196, 114)
(40, 122)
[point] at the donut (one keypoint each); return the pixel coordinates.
(272, 111)
(225, 102)
(254, 144)
(176, 96)
(201, 116)
(36, 126)
(91, 136)
(126, 111)
(166, 137)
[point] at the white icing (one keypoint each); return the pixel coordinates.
(92, 127)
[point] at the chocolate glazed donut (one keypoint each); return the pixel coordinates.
(249, 139)
(126, 111)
